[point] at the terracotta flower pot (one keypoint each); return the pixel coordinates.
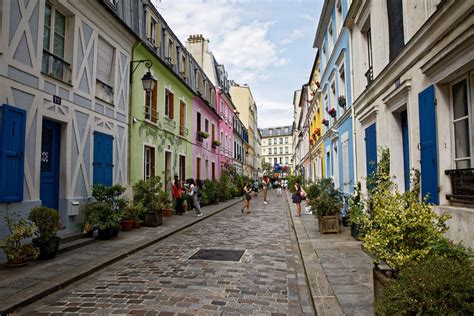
(127, 224)
(167, 212)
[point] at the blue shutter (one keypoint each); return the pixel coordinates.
(428, 145)
(371, 149)
(103, 158)
(12, 153)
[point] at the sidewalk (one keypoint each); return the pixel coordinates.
(338, 270)
(22, 286)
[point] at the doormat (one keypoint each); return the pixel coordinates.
(218, 255)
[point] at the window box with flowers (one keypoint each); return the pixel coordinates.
(314, 135)
(311, 141)
(341, 101)
(317, 131)
(216, 143)
(203, 134)
(326, 122)
(332, 112)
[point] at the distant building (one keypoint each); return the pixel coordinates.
(277, 147)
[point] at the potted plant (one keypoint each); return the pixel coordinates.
(203, 134)
(16, 251)
(126, 223)
(341, 100)
(215, 143)
(326, 207)
(164, 203)
(325, 122)
(332, 112)
(136, 211)
(357, 212)
(145, 192)
(47, 224)
(318, 131)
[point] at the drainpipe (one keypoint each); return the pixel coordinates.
(130, 116)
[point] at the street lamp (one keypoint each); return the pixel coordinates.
(148, 80)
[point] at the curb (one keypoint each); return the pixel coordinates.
(39, 291)
(318, 301)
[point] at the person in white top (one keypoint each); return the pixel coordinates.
(194, 191)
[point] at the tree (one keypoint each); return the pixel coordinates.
(267, 168)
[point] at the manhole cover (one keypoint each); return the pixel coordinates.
(218, 255)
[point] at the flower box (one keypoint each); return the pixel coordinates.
(216, 143)
(329, 224)
(341, 101)
(318, 131)
(203, 134)
(325, 122)
(332, 112)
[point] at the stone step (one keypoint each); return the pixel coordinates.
(74, 244)
(71, 237)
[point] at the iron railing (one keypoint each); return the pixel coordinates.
(462, 184)
(369, 75)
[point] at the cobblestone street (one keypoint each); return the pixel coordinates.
(162, 280)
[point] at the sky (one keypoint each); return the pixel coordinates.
(267, 44)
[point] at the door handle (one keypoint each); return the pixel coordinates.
(418, 146)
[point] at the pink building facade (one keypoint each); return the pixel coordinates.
(226, 109)
(206, 158)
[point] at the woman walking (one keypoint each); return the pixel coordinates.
(248, 197)
(177, 192)
(194, 191)
(298, 197)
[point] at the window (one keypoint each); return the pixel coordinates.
(150, 104)
(170, 52)
(369, 74)
(281, 150)
(330, 38)
(345, 165)
(182, 118)
(12, 153)
(462, 132)
(286, 140)
(206, 125)
(183, 65)
(105, 71)
(169, 104)
(182, 167)
(342, 81)
(281, 160)
(269, 141)
(198, 121)
(275, 160)
(281, 140)
(339, 19)
(213, 132)
(286, 150)
(54, 39)
(152, 32)
(395, 27)
(275, 150)
(149, 162)
(286, 160)
(269, 151)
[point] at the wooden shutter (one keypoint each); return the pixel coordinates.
(105, 58)
(103, 159)
(171, 114)
(158, 31)
(12, 153)
(154, 100)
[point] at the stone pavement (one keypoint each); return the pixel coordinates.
(21, 286)
(269, 279)
(339, 271)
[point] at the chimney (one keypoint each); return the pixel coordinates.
(197, 45)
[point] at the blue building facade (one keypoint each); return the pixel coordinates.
(332, 41)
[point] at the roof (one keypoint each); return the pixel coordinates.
(276, 131)
(323, 21)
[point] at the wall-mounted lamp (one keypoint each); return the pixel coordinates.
(148, 80)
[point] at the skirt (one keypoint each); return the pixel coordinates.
(296, 198)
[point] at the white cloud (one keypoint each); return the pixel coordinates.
(242, 46)
(273, 113)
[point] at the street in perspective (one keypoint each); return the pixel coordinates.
(234, 157)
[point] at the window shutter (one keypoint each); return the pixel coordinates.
(105, 57)
(103, 159)
(171, 106)
(12, 153)
(154, 100)
(158, 34)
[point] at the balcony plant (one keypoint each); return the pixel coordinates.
(215, 143)
(318, 131)
(203, 134)
(311, 141)
(325, 122)
(16, 251)
(47, 224)
(341, 100)
(326, 206)
(332, 112)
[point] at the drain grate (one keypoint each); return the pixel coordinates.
(218, 255)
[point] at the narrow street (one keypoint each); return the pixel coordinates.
(163, 280)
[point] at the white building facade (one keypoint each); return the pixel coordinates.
(277, 148)
(413, 90)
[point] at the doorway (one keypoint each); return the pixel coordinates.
(50, 159)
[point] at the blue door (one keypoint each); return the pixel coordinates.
(12, 153)
(103, 156)
(49, 177)
(427, 146)
(371, 149)
(406, 148)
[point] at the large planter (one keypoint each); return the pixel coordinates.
(154, 218)
(356, 231)
(167, 212)
(17, 263)
(48, 249)
(126, 224)
(329, 224)
(381, 279)
(108, 233)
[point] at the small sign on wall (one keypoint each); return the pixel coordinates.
(56, 100)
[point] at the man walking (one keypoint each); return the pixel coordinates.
(278, 186)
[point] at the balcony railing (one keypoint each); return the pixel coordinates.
(369, 75)
(462, 183)
(56, 67)
(183, 131)
(150, 114)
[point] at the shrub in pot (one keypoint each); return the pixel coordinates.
(326, 206)
(136, 211)
(145, 192)
(105, 219)
(357, 212)
(16, 251)
(436, 285)
(126, 223)
(47, 223)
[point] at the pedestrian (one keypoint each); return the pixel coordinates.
(265, 184)
(255, 188)
(298, 197)
(278, 187)
(247, 190)
(285, 184)
(177, 191)
(194, 191)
